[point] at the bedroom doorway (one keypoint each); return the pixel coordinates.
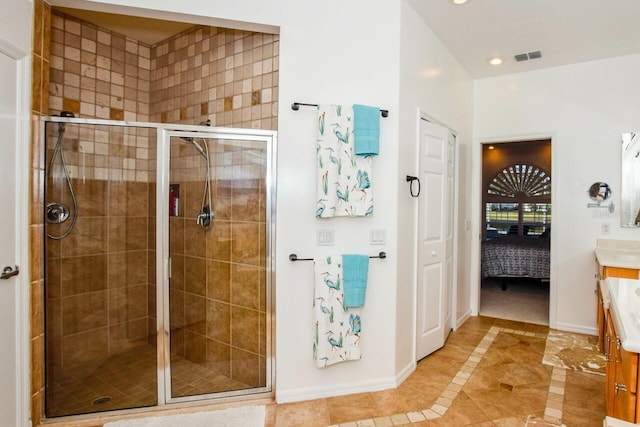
(516, 217)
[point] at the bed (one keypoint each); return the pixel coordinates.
(515, 256)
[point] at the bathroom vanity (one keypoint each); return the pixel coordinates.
(614, 258)
(622, 345)
(618, 305)
(618, 294)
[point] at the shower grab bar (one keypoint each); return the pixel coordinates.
(296, 106)
(294, 257)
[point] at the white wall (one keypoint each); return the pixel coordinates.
(431, 81)
(15, 27)
(585, 108)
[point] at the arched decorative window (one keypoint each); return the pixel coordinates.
(518, 201)
(528, 180)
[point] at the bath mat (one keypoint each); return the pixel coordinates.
(249, 416)
(574, 351)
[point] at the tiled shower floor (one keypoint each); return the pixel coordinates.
(129, 380)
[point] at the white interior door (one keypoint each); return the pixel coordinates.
(9, 253)
(435, 238)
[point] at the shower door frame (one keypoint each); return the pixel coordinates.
(163, 269)
(164, 132)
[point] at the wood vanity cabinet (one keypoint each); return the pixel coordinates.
(625, 273)
(621, 377)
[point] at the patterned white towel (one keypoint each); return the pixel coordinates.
(337, 329)
(344, 178)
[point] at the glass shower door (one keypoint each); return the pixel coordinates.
(218, 206)
(100, 268)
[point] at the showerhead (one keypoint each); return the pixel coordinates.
(193, 141)
(195, 144)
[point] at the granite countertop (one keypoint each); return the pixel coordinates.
(618, 253)
(624, 297)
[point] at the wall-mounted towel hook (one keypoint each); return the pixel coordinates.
(410, 180)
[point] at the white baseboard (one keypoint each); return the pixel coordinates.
(310, 393)
(576, 328)
(405, 372)
(460, 320)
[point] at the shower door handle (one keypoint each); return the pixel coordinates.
(8, 272)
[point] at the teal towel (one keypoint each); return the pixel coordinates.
(366, 130)
(354, 275)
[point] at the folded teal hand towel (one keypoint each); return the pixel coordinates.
(354, 272)
(366, 130)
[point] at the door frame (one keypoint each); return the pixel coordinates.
(23, 168)
(422, 115)
(476, 212)
(163, 269)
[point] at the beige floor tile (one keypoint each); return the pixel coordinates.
(311, 413)
(353, 407)
(390, 402)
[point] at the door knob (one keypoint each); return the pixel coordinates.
(433, 253)
(8, 272)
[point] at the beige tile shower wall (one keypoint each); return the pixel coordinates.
(228, 76)
(97, 73)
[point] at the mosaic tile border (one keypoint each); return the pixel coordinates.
(553, 407)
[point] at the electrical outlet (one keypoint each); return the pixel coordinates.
(605, 228)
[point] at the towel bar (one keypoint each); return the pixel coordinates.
(296, 106)
(294, 257)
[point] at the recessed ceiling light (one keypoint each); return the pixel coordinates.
(495, 60)
(491, 147)
(459, 2)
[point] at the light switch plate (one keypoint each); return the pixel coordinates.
(378, 237)
(325, 238)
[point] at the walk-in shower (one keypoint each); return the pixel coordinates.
(150, 298)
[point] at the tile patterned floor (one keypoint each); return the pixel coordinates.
(489, 373)
(129, 380)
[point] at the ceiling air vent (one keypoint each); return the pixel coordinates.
(526, 56)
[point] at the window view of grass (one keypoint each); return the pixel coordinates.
(503, 217)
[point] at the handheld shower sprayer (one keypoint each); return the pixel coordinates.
(205, 217)
(58, 212)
